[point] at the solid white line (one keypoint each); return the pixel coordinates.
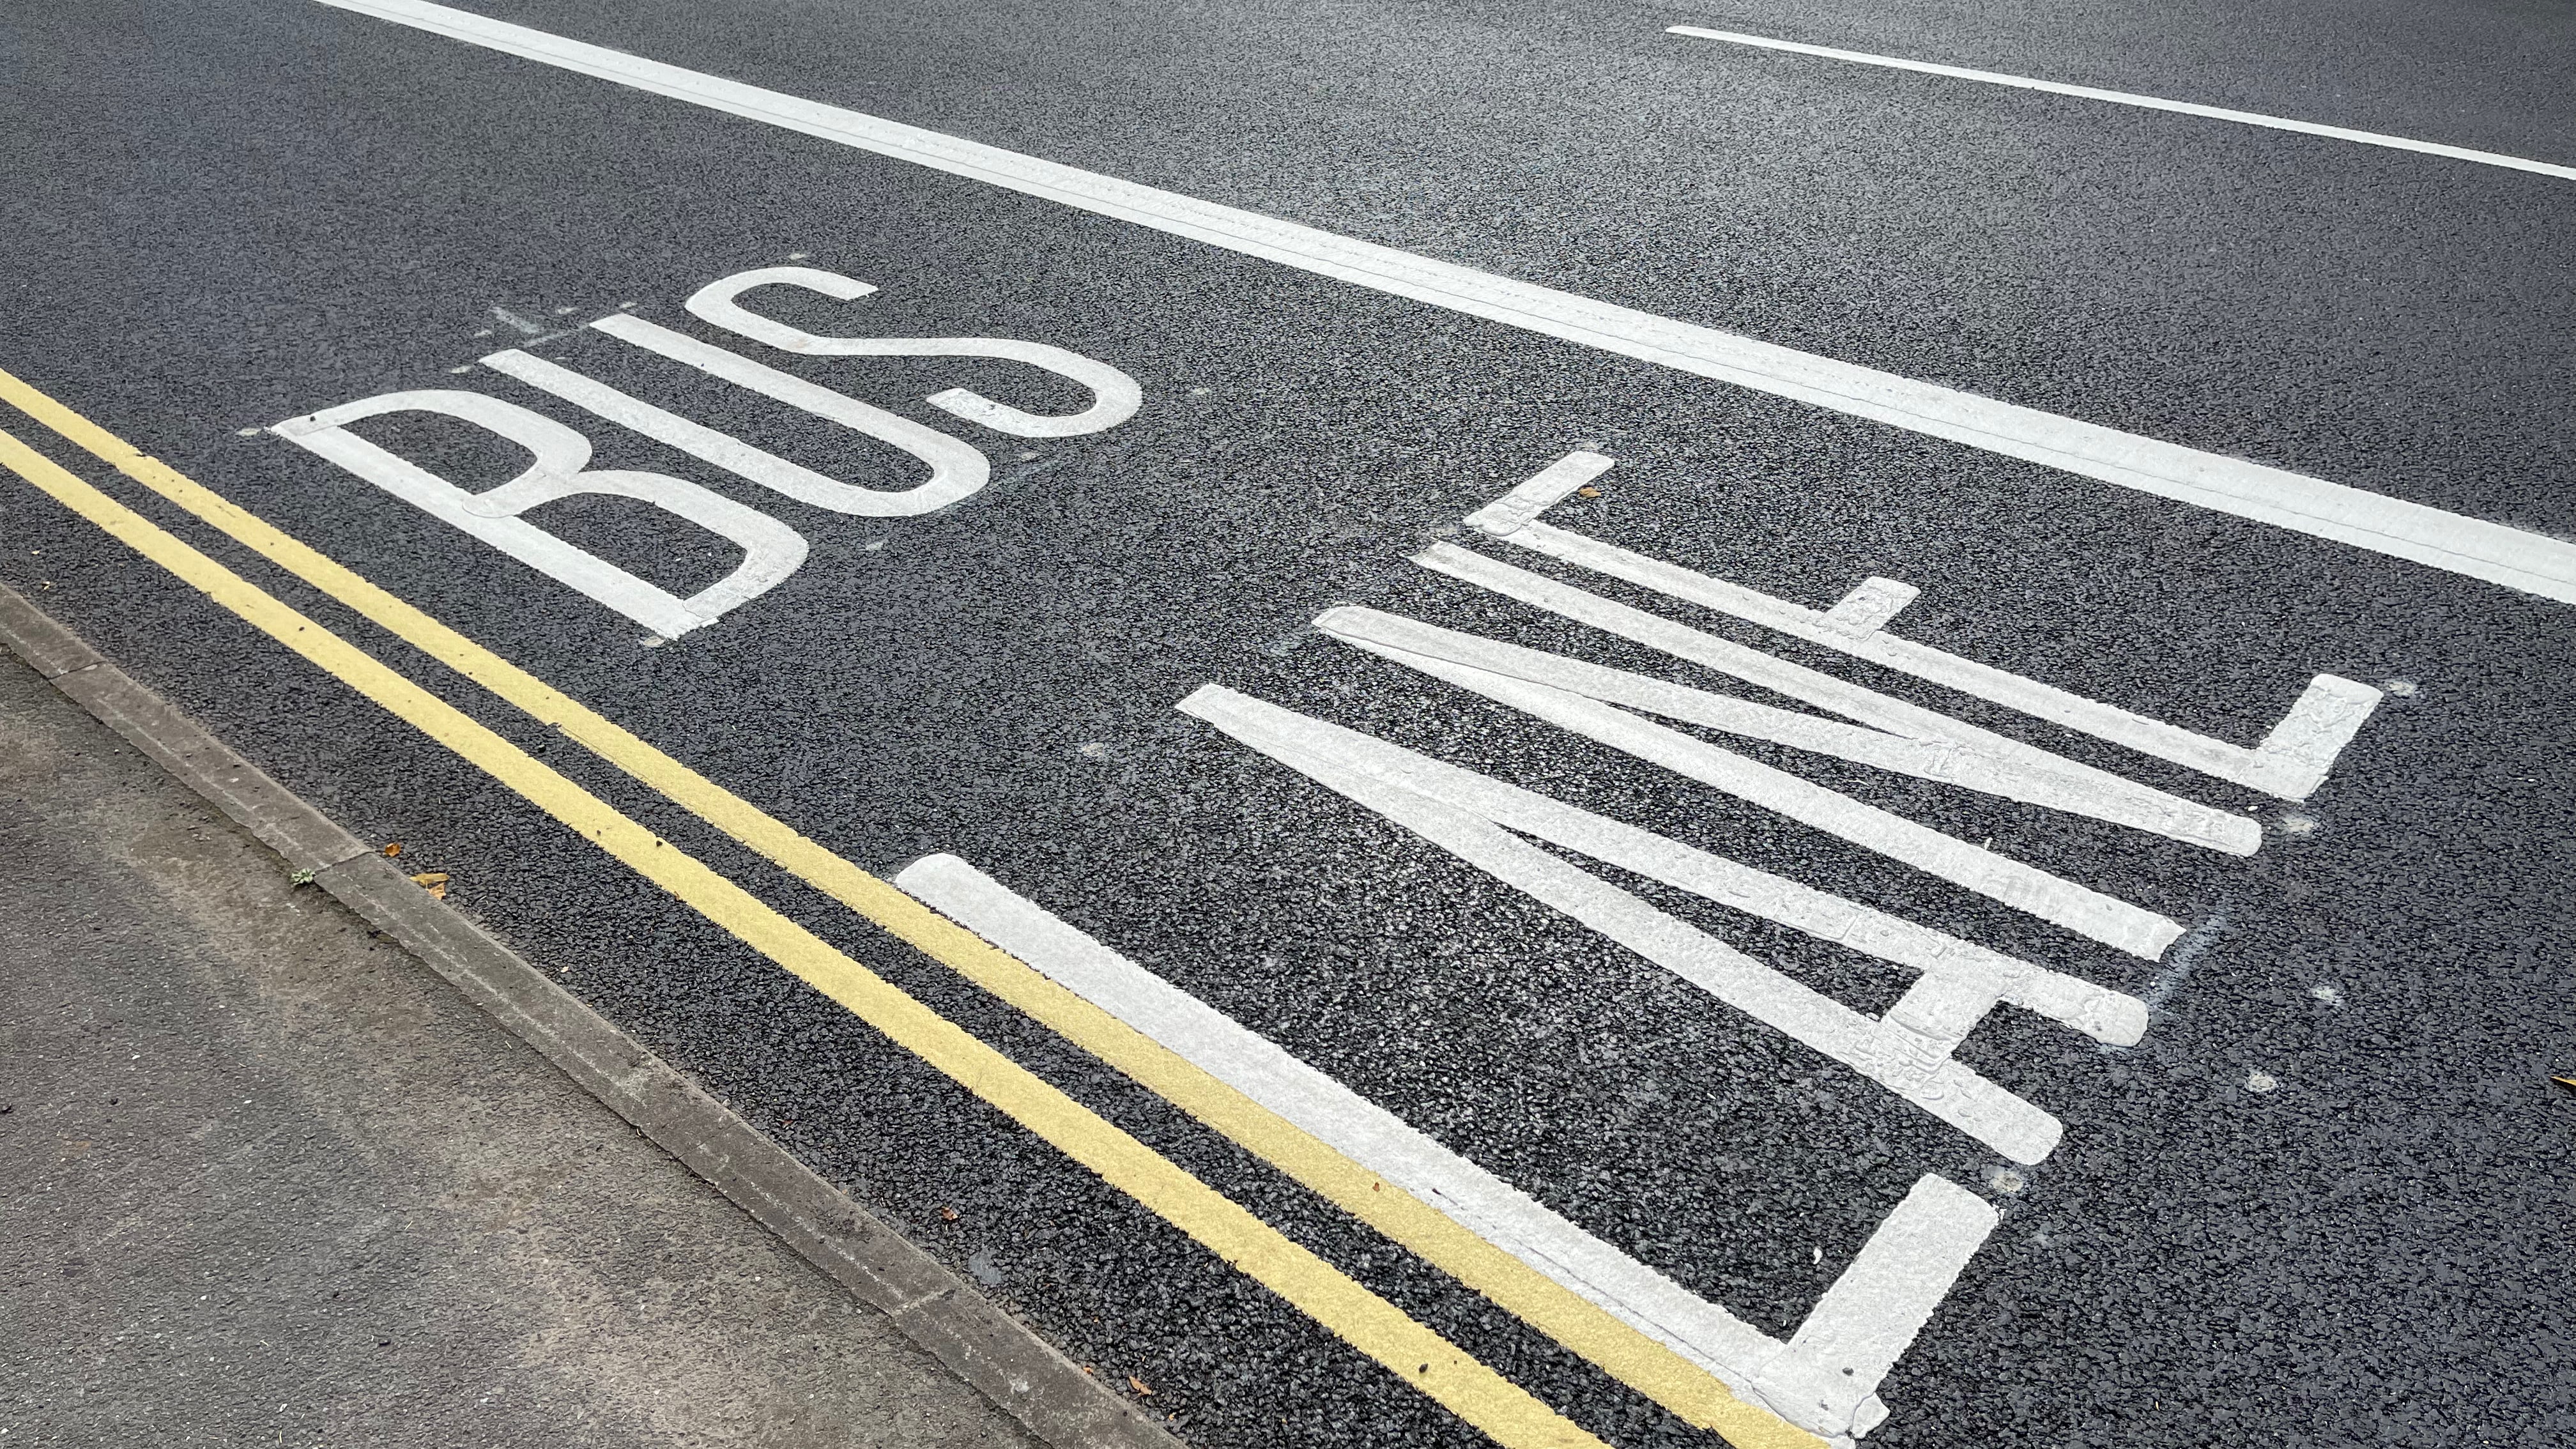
(2491, 551)
(1343, 1120)
(2127, 98)
(1826, 1376)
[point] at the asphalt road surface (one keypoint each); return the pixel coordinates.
(1589, 967)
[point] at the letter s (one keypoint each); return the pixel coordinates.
(1115, 395)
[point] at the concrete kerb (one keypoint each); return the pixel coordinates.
(976, 1339)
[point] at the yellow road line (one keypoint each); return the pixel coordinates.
(1461, 1384)
(1632, 1357)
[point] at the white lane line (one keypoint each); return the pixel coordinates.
(2290, 763)
(1474, 818)
(2031, 776)
(2128, 98)
(2478, 549)
(1826, 1376)
(2081, 909)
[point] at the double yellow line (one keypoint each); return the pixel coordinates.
(1458, 1382)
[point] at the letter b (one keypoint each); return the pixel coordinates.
(771, 550)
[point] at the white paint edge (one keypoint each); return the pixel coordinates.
(1342, 1119)
(2131, 98)
(2478, 549)
(1870, 1316)
(1828, 1372)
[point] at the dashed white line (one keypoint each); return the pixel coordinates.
(2130, 98)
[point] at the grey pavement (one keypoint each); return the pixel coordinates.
(270, 1181)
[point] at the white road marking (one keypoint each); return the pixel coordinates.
(2085, 911)
(2127, 98)
(1907, 1051)
(556, 469)
(2494, 552)
(2031, 776)
(1825, 1377)
(2025, 773)
(694, 438)
(772, 550)
(1539, 492)
(1871, 603)
(1115, 395)
(1870, 1316)
(957, 468)
(2291, 762)
(2106, 1016)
